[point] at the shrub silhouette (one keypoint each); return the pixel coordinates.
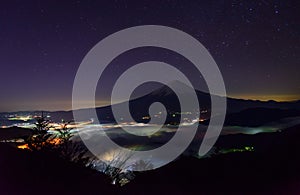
(61, 143)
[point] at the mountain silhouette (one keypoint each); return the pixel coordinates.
(139, 107)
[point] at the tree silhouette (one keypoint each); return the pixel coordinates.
(39, 139)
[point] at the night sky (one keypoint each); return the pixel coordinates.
(254, 43)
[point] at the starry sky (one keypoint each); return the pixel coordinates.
(254, 43)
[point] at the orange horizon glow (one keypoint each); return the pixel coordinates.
(67, 106)
(278, 98)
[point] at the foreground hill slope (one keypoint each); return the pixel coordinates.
(272, 168)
